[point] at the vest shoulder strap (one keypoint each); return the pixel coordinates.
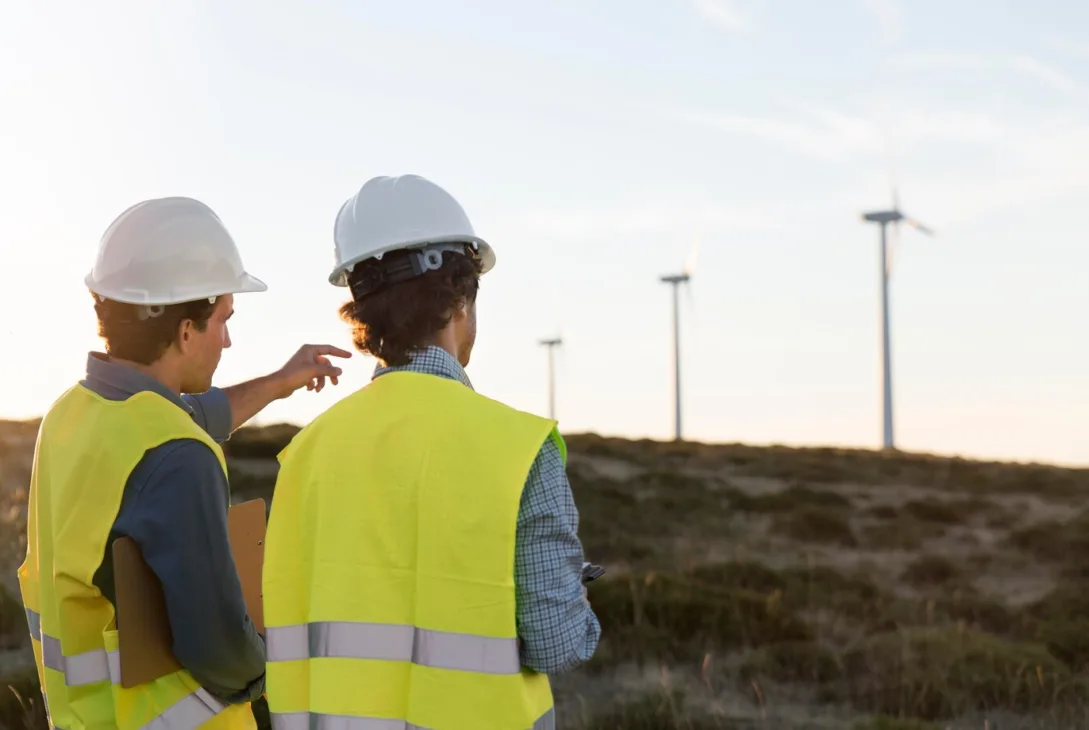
(141, 422)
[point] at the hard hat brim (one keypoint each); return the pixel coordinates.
(339, 277)
(246, 284)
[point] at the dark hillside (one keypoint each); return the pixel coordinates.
(774, 587)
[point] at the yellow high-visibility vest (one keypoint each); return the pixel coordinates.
(87, 448)
(388, 580)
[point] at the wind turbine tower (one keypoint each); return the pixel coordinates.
(551, 344)
(676, 280)
(883, 218)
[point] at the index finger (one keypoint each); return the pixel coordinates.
(330, 350)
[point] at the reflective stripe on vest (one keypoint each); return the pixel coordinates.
(100, 665)
(393, 642)
(317, 721)
(80, 669)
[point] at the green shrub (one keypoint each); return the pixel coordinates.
(21, 706)
(796, 661)
(931, 570)
(883, 511)
(666, 618)
(664, 710)
(1054, 541)
(935, 674)
(950, 512)
(903, 533)
(795, 497)
(13, 627)
(883, 722)
(817, 525)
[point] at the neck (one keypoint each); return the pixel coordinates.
(158, 370)
(447, 341)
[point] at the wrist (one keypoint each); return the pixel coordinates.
(276, 385)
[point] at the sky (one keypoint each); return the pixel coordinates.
(592, 143)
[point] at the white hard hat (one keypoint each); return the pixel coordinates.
(168, 251)
(392, 213)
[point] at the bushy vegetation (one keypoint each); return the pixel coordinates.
(759, 579)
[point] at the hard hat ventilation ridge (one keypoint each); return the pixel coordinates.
(381, 272)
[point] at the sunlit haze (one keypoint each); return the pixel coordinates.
(590, 144)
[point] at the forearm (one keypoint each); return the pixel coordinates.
(309, 367)
(557, 627)
(558, 630)
(214, 638)
(251, 397)
(226, 654)
(180, 523)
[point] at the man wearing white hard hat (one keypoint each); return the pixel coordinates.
(423, 534)
(133, 450)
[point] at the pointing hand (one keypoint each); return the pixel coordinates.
(310, 366)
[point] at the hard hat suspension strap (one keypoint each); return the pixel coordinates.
(385, 271)
(150, 312)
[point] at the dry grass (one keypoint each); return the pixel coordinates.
(784, 587)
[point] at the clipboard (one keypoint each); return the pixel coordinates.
(145, 642)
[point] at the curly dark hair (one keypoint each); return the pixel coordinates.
(145, 340)
(396, 320)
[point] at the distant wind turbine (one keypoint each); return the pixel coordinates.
(551, 344)
(883, 218)
(676, 280)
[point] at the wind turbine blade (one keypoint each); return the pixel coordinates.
(919, 226)
(692, 316)
(693, 257)
(890, 166)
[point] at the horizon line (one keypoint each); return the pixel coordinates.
(798, 446)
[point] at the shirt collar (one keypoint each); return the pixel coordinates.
(104, 373)
(431, 360)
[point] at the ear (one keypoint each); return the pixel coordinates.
(461, 310)
(185, 335)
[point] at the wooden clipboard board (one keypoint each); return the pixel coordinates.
(145, 642)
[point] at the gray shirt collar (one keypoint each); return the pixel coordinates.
(431, 360)
(116, 381)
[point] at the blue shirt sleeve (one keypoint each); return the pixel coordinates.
(556, 625)
(212, 412)
(176, 510)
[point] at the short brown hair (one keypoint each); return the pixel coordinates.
(399, 318)
(144, 340)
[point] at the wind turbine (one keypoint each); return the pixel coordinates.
(551, 344)
(676, 280)
(883, 218)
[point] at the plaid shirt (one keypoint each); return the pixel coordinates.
(557, 627)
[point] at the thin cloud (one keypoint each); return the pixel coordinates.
(830, 134)
(1073, 49)
(1036, 157)
(888, 15)
(1045, 73)
(722, 13)
(593, 223)
(815, 141)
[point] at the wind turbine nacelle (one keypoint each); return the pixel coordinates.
(675, 278)
(883, 216)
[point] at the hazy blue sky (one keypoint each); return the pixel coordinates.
(590, 143)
